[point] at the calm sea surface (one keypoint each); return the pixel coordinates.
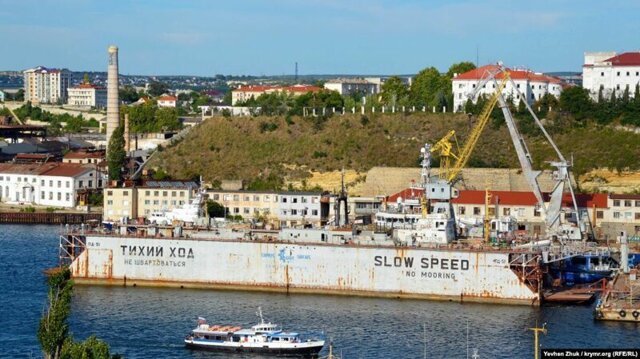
(151, 323)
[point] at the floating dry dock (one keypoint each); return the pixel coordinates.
(621, 300)
(302, 261)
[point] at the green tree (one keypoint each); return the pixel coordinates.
(91, 348)
(116, 154)
(128, 94)
(393, 91)
(157, 88)
(460, 68)
(427, 87)
(575, 100)
(54, 330)
(85, 79)
(226, 100)
(215, 209)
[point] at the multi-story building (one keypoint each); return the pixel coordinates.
(610, 72)
(152, 196)
(351, 86)
(47, 184)
(244, 93)
(623, 215)
(532, 85)
(87, 95)
(279, 209)
(167, 101)
(44, 85)
(84, 157)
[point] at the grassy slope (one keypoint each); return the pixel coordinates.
(235, 148)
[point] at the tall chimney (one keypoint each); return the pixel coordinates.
(113, 111)
(127, 139)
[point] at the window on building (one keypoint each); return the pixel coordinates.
(173, 202)
(174, 193)
(599, 214)
(125, 193)
(294, 200)
(164, 202)
(303, 199)
(33, 180)
(67, 197)
(42, 195)
(492, 211)
(42, 183)
(147, 193)
(90, 183)
(618, 73)
(236, 210)
(536, 212)
(165, 193)
(602, 74)
(236, 197)
(267, 198)
(637, 216)
(68, 184)
(156, 202)
(50, 196)
(627, 73)
(147, 202)
(461, 209)
(284, 199)
(156, 193)
(256, 198)
(294, 212)
(181, 193)
(637, 203)
(284, 212)
(109, 193)
(314, 212)
(246, 210)
(110, 202)
(59, 196)
(80, 184)
(637, 73)
(59, 184)
(476, 211)
(506, 211)
(216, 197)
(181, 202)
(19, 179)
(616, 215)
(616, 203)
(627, 203)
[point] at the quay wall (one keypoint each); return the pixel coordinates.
(47, 218)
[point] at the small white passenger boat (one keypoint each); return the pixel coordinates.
(262, 337)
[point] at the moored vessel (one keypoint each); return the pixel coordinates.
(264, 337)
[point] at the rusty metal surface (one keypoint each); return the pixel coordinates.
(304, 268)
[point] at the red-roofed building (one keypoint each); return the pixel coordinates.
(470, 205)
(610, 72)
(532, 85)
(48, 184)
(84, 157)
(167, 101)
(87, 95)
(244, 93)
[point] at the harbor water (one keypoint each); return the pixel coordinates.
(151, 323)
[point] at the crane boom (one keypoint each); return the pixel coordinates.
(465, 154)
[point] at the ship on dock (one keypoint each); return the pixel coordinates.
(425, 261)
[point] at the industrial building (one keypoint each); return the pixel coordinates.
(610, 72)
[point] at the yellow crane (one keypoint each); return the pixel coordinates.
(449, 172)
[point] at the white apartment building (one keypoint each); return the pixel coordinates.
(280, 209)
(532, 85)
(48, 184)
(609, 72)
(167, 101)
(347, 87)
(44, 85)
(87, 95)
(244, 93)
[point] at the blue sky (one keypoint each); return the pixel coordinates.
(266, 37)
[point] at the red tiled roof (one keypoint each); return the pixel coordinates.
(32, 156)
(625, 59)
(45, 169)
(512, 198)
(481, 72)
(625, 196)
(83, 155)
(167, 98)
(409, 193)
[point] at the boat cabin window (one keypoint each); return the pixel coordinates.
(579, 260)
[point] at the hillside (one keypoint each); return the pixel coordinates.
(246, 148)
